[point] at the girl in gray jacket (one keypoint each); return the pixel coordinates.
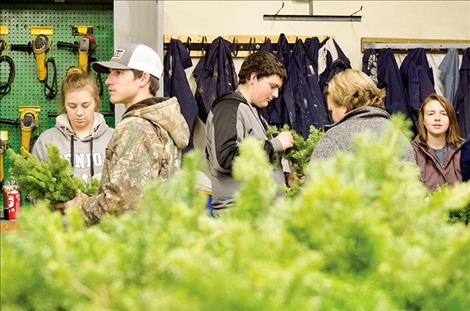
(356, 105)
(80, 132)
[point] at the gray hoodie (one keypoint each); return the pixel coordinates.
(339, 136)
(77, 151)
(229, 122)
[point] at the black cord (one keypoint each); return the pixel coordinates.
(98, 79)
(5, 87)
(99, 82)
(50, 90)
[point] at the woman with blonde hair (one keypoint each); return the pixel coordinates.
(356, 105)
(438, 144)
(80, 132)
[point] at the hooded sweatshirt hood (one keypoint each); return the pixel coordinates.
(164, 112)
(98, 128)
(229, 96)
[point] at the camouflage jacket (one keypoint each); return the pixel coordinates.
(146, 144)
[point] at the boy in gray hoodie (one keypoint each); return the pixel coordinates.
(234, 116)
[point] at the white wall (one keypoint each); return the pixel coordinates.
(402, 19)
(393, 19)
(138, 21)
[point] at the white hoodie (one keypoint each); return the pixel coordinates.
(74, 149)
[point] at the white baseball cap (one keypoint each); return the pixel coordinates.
(133, 56)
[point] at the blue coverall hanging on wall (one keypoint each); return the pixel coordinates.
(418, 81)
(382, 66)
(304, 104)
(333, 62)
(449, 69)
(267, 46)
(312, 46)
(176, 83)
(276, 112)
(465, 159)
(462, 97)
(215, 75)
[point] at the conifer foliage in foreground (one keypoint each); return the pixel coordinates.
(361, 235)
(51, 180)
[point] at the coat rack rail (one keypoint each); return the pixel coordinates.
(404, 44)
(245, 44)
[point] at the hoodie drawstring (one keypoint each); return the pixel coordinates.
(92, 165)
(72, 152)
(72, 155)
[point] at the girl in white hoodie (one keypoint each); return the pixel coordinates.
(80, 132)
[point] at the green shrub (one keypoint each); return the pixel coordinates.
(363, 234)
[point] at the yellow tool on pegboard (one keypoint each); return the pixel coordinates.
(86, 45)
(3, 30)
(29, 120)
(3, 145)
(40, 45)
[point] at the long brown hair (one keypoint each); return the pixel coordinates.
(77, 79)
(452, 133)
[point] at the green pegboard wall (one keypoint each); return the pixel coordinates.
(26, 89)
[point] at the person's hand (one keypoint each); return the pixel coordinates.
(295, 178)
(286, 139)
(97, 177)
(75, 201)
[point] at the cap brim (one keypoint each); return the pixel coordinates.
(103, 67)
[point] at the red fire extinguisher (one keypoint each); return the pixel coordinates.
(11, 201)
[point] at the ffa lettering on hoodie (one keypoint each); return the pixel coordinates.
(82, 163)
(63, 138)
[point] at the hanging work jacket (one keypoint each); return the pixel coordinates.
(369, 63)
(387, 76)
(215, 75)
(331, 60)
(312, 45)
(418, 81)
(449, 76)
(176, 60)
(304, 100)
(267, 46)
(276, 112)
(462, 97)
(465, 159)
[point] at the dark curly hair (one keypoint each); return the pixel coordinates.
(263, 64)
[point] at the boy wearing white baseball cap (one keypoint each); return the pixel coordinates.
(146, 144)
